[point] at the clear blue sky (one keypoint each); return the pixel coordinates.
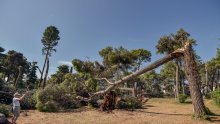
(87, 26)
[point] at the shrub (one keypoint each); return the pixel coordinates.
(49, 106)
(29, 101)
(5, 109)
(216, 97)
(182, 98)
(129, 103)
(53, 96)
(66, 101)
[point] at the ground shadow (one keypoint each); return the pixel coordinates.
(159, 113)
(147, 106)
(214, 118)
(81, 109)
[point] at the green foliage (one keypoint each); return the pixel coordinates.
(168, 70)
(29, 101)
(91, 84)
(32, 76)
(129, 103)
(165, 45)
(83, 66)
(13, 63)
(168, 44)
(50, 39)
(5, 109)
(182, 98)
(54, 96)
(49, 106)
(124, 59)
(152, 83)
(59, 76)
(216, 97)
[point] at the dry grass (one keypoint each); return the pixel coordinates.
(157, 111)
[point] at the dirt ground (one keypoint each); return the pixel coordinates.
(156, 111)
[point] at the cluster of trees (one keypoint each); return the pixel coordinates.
(93, 76)
(16, 70)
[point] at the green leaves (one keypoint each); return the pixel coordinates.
(168, 44)
(50, 39)
(124, 59)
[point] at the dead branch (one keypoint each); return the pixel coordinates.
(109, 82)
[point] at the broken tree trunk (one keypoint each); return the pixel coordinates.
(152, 66)
(45, 78)
(108, 102)
(193, 77)
(190, 70)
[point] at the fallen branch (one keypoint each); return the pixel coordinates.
(177, 53)
(109, 82)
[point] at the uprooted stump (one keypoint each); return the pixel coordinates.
(108, 103)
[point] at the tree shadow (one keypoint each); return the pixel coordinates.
(147, 106)
(214, 118)
(188, 102)
(159, 113)
(81, 109)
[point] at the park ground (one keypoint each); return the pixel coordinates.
(155, 111)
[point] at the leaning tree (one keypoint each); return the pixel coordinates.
(168, 44)
(50, 41)
(191, 72)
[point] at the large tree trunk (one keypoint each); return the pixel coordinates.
(177, 80)
(190, 70)
(45, 78)
(193, 77)
(42, 72)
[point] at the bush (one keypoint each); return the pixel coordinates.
(182, 98)
(5, 109)
(66, 101)
(129, 103)
(53, 96)
(49, 106)
(29, 101)
(216, 97)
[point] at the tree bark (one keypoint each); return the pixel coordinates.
(45, 78)
(177, 80)
(42, 72)
(193, 77)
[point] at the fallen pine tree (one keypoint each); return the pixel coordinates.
(190, 69)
